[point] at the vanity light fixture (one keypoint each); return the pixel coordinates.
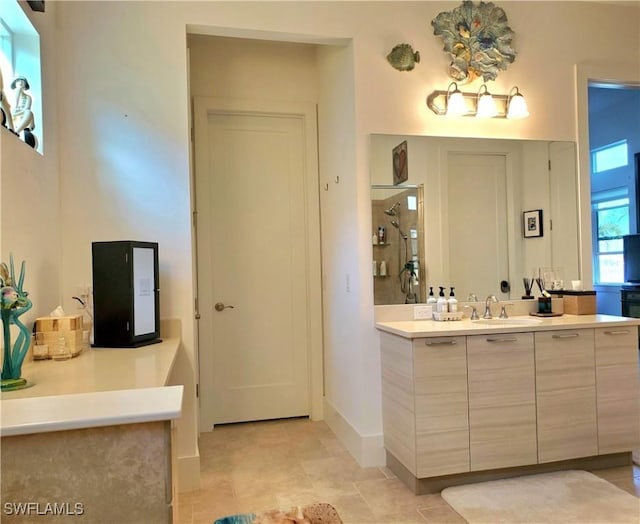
(482, 104)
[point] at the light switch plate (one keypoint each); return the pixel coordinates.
(422, 312)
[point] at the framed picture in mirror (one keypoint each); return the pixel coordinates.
(400, 169)
(532, 223)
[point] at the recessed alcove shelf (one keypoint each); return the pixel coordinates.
(20, 56)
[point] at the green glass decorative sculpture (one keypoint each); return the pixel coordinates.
(14, 302)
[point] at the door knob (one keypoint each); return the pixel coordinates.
(220, 306)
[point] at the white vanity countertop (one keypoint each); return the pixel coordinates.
(432, 328)
(98, 387)
(89, 410)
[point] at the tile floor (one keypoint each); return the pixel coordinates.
(286, 463)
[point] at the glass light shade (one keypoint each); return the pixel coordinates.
(517, 106)
(486, 106)
(455, 104)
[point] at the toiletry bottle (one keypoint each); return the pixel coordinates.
(383, 269)
(375, 268)
(452, 302)
(374, 239)
(441, 305)
(431, 299)
(382, 237)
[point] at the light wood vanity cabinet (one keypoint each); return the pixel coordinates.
(566, 394)
(502, 401)
(474, 404)
(618, 389)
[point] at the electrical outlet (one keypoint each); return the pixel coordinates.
(422, 312)
(348, 282)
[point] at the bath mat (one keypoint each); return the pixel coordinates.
(318, 513)
(562, 497)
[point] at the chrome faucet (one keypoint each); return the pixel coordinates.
(474, 312)
(487, 306)
(503, 311)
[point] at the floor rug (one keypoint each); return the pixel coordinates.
(318, 513)
(562, 497)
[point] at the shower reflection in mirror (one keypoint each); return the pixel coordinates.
(397, 218)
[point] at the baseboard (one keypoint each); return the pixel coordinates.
(188, 473)
(427, 485)
(368, 450)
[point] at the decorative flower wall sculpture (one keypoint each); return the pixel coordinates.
(478, 39)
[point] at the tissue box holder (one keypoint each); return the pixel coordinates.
(577, 302)
(69, 327)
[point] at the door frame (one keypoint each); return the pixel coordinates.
(623, 74)
(202, 108)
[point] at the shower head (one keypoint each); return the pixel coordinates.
(396, 224)
(392, 211)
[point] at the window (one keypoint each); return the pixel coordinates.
(610, 218)
(610, 156)
(20, 56)
(6, 52)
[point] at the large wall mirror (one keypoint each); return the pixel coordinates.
(479, 196)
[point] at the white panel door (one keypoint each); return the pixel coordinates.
(251, 256)
(477, 224)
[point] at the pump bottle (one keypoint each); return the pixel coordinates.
(442, 305)
(431, 299)
(452, 302)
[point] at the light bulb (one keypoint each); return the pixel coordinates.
(486, 104)
(455, 101)
(517, 107)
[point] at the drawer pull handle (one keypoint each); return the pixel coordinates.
(511, 339)
(567, 335)
(441, 343)
(618, 332)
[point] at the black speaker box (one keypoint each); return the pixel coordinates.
(126, 295)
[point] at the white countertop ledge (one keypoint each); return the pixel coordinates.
(84, 410)
(432, 328)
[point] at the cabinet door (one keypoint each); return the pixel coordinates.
(502, 403)
(441, 406)
(566, 394)
(398, 419)
(618, 390)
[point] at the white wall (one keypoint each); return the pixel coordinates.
(29, 190)
(123, 135)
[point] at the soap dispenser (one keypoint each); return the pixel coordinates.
(441, 305)
(431, 299)
(452, 302)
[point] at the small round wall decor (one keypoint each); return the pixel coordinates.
(478, 39)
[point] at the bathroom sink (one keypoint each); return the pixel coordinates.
(507, 321)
